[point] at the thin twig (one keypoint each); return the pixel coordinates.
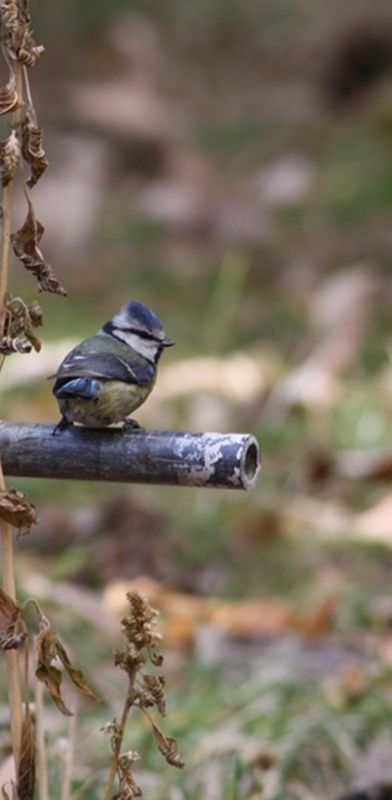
(69, 756)
(7, 539)
(42, 774)
(7, 202)
(12, 656)
(119, 739)
(5, 245)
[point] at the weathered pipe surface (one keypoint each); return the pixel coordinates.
(216, 460)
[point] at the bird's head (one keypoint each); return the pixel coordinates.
(138, 326)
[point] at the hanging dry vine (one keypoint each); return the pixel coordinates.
(21, 151)
(23, 147)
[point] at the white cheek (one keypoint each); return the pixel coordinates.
(144, 347)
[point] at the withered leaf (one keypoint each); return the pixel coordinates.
(25, 243)
(16, 509)
(28, 51)
(33, 150)
(10, 157)
(19, 318)
(29, 333)
(48, 648)
(129, 790)
(9, 345)
(26, 770)
(167, 745)
(76, 675)
(9, 618)
(50, 676)
(153, 693)
(9, 98)
(36, 314)
(9, 13)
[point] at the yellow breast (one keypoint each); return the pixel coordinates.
(115, 401)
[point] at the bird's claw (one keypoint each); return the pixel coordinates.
(61, 426)
(131, 426)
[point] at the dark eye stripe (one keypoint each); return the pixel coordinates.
(142, 334)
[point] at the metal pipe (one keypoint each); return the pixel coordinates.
(216, 460)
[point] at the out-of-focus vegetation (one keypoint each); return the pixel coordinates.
(230, 165)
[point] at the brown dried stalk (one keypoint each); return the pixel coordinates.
(144, 691)
(16, 320)
(12, 656)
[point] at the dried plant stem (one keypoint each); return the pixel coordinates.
(119, 738)
(42, 775)
(12, 656)
(69, 758)
(5, 246)
(7, 203)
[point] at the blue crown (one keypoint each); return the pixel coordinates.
(142, 314)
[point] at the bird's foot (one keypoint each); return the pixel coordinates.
(61, 426)
(131, 426)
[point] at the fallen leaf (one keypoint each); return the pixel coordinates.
(373, 463)
(374, 524)
(320, 619)
(254, 617)
(339, 313)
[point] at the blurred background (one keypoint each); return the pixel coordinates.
(230, 165)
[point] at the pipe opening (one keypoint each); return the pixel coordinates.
(251, 462)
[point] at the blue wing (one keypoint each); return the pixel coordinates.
(77, 387)
(104, 366)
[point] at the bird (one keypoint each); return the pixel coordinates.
(110, 374)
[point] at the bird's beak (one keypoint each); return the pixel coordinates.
(168, 342)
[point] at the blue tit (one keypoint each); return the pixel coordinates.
(107, 376)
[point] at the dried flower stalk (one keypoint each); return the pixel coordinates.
(144, 691)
